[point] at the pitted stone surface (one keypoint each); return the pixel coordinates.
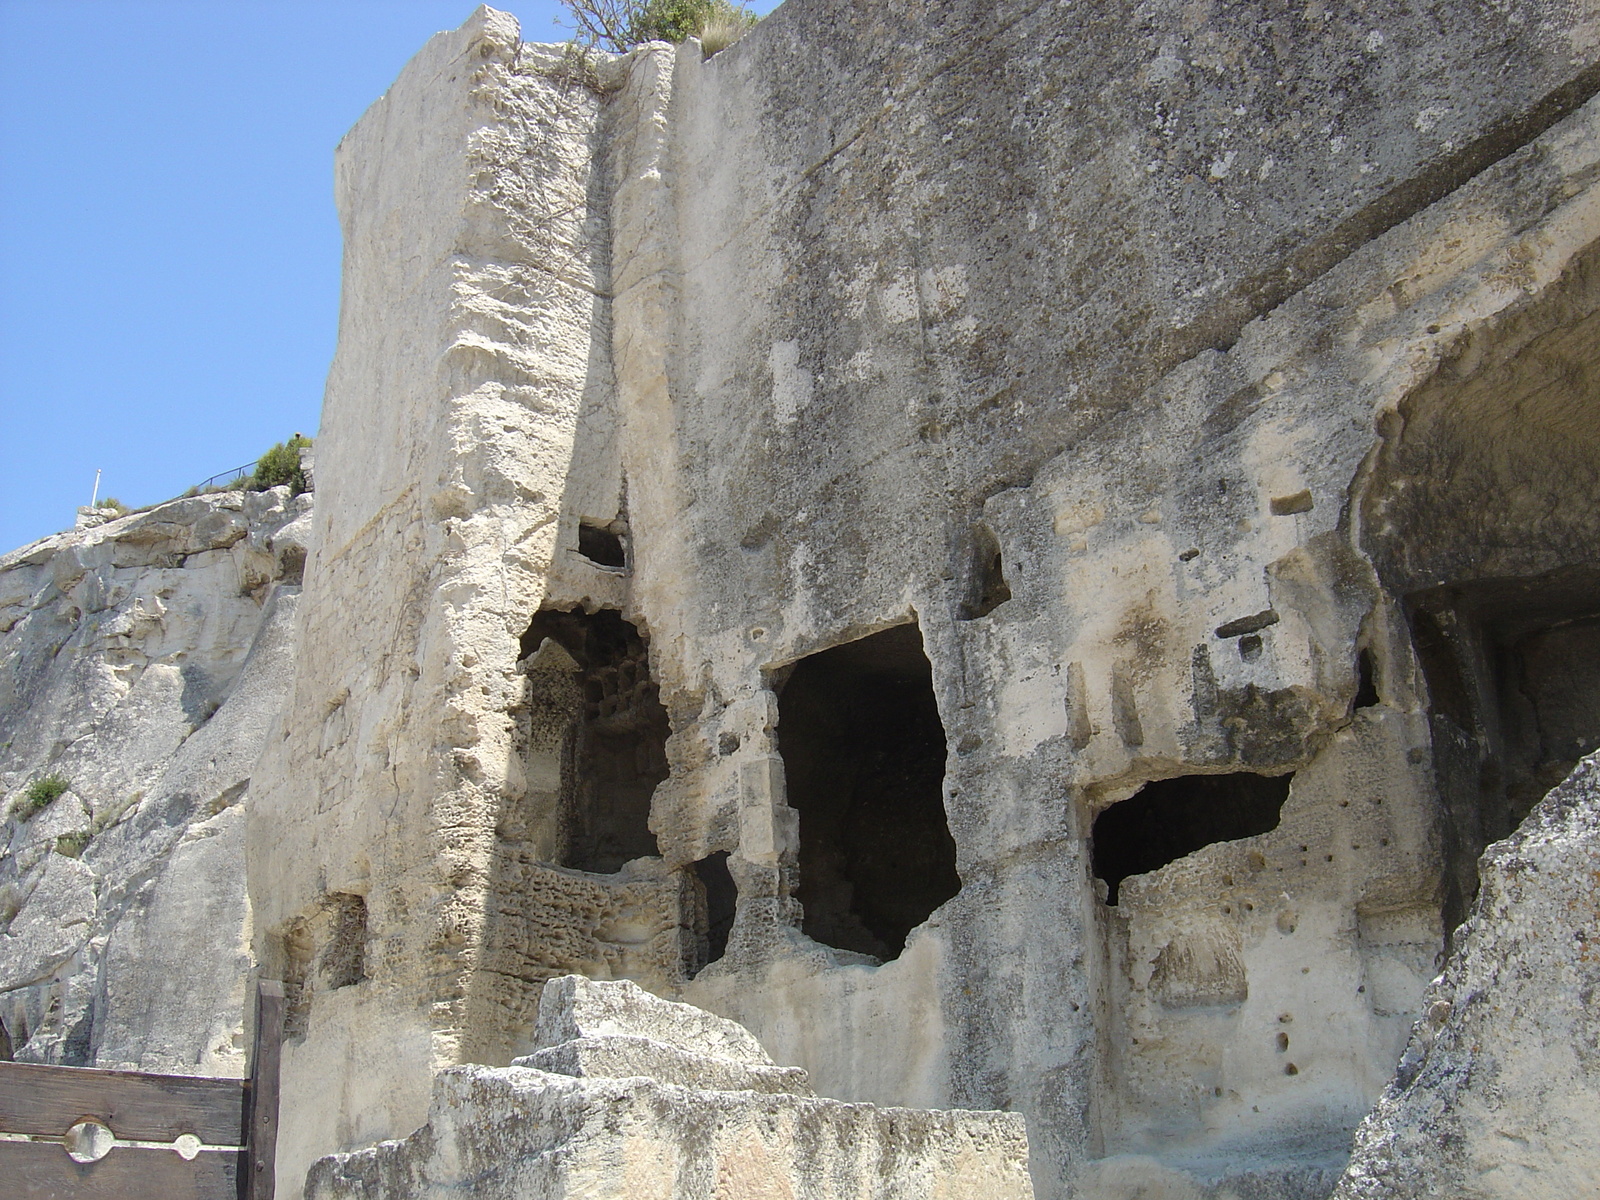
(517, 1133)
(1497, 1096)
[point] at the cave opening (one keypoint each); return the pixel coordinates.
(720, 898)
(602, 545)
(1513, 674)
(1366, 682)
(864, 757)
(613, 746)
(1483, 517)
(1171, 818)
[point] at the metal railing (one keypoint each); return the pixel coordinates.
(227, 478)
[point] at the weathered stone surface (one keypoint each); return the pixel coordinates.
(619, 1057)
(515, 1132)
(573, 1007)
(1498, 1091)
(618, 1029)
(143, 659)
(1122, 385)
(1151, 453)
(469, 386)
(52, 926)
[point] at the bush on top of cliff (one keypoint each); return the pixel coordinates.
(281, 465)
(619, 25)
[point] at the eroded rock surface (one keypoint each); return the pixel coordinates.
(956, 539)
(1022, 553)
(142, 661)
(564, 1124)
(1498, 1091)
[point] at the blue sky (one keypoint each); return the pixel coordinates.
(169, 251)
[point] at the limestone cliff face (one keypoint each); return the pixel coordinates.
(142, 662)
(412, 910)
(1020, 553)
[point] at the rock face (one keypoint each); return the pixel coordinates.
(142, 661)
(574, 1119)
(1498, 1092)
(957, 538)
(1020, 553)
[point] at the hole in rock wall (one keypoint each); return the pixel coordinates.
(601, 546)
(987, 587)
(323, 950)
(344, 961)
(1366, 681)
(614, 750)
(1513, 674)
(5, 1043)
(864, 754)
(1168, 819)
(719, 896)
(298, 951)
(1483, 513)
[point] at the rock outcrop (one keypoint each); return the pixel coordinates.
(954, 537)
(640, 1099)
(1022, 552)
(142, 662)
(1498, 1092)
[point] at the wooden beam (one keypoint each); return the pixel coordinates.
(44, 1171)
(47, 1101)
(261, 1132)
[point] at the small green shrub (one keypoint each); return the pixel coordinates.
(679, 20)
(40, 795)
(619, 25)
(112, 502)
(72, 844)
(281, 465)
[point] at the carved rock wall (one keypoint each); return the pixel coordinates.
(465, 429)
(1109, 381)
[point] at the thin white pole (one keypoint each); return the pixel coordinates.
(93, 500)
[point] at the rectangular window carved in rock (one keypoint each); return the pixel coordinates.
(323, 949)
(612, 736)
(864, 756)
(718, 904)
(1166, 820)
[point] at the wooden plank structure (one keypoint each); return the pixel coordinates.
(76, 1133)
